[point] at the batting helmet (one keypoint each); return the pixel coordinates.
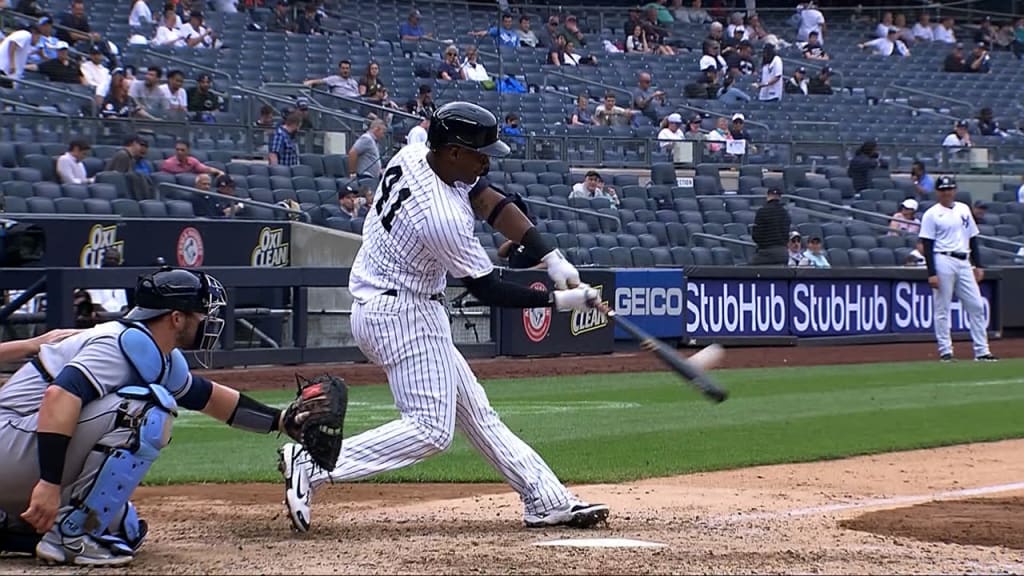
(466, 125)
(945, 183)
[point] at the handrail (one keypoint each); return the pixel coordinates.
(345, 118)
(572, 209)
(32, 107)
(51, 88)
(607, 87)
(356, 101)
(183, 62)
(376, 27)
(455, 43)
(920, 110)
(874, 225)
(35, 19)
(710, 113)
(341, 32)
(724, 239)
(925, 93)
(305, 217)
(815, 65)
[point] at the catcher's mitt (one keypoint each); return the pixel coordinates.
(316, 417)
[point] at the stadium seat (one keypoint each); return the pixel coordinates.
(601, 256)
(69, 206)
(681, 256)
(622, 257)
(859, 258)
(882, 257)
(153, 209)
(15, 205)
(126, 207)
(642, 257)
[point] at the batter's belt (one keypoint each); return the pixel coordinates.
(957, 255)
(394, 293)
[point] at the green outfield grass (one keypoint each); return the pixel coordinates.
(619, 427)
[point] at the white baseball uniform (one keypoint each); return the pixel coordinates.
(418, 230)
(952, 229)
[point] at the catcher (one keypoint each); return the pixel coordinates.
(82, 422)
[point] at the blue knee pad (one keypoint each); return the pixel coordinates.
(121, 473)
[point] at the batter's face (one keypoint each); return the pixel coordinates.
(467, 165)
(946, 196)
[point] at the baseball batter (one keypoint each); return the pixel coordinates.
(420, 229)
(949, 236)
(83, 421)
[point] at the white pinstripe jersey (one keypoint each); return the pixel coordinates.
(417, 230)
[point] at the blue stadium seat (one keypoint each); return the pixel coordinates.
(46, 190)
(882, 257)
(601, 256)
(681, 256)
(628, 241)
(838, 257)
(40, 205)
(641, 257)
(859, 257)
(97, 206)
(179, 209)
(14, 205)
(153, 209)
(701, 256)
(126, 207)
(69, 206)
(622, 256)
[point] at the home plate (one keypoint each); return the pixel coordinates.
(601, 543)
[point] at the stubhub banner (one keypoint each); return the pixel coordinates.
(810, 308)
(651, 298)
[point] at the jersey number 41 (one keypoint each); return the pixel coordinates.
(391, 177)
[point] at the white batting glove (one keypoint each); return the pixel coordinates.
(561, 271)
(582, 298)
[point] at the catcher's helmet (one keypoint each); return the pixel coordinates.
(467, 125)
(945, 183)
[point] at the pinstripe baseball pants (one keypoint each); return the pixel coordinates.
(436, 392)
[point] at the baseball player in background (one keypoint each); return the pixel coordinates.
(949, 238)
(83, 421)
(419, 230)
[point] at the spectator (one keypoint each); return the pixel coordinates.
(903, 33)
(671, 133)
(889, 45)
(309, 22)
(815, 256)
(70, 169)
(959, 138)
(526, 36)
(62, 69)
(370, 85)
(797, 83)
(924, 184)
(662, 15)
(719, 136)
(944, 31)
(148, 93)
(95, 73)
(174, 92)
(923, 29)
(571, 58)
(736, 26)
(450, 69)
(693, 131)
(364, 155)
(142, 165)
(202, 101)
(954, 61)
(119, 103)
(348, 202)
(716, 32)
(711, 57)
(636, 41)
(20, 44)
(738, 131)
(608, 113)
(141, 16)
(302, 109)
(424, 102)
(183, 163)
(811, 20)
(213, 207)
(905, 219)
(771, 231)
(1020, 191)
(985, 34)
(987, 124)
(794, 250)
(549, 34)
(916, 257)
(771, 82)
(592, 187)
(75, 25)
(732, 40)
(283, 149)
(981, 62)
(740, 62)
(281, 19)
(125, 160)
(267, 117)
(411, 30)
(695, 14)
(504, 36)
(1017, 46)
(822, 83)
(196, 34)
(340, 84)
(513, 130)
(865, 159)
(581, 115)
(556, 51)
(813, 49)
(979, 210)
(706, 86)
(169, 34)
(884, 25)
(110, 299)
(472, 69)
(575, 35)
(418, 133)
(648, 99)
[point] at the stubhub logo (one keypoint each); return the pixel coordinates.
(736, 307)
(830, 308)
(649, 301)
(912, 308)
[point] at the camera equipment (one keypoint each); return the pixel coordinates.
(20, 243)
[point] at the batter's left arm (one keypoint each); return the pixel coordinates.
(979, 273)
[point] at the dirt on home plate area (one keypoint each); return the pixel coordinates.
(957, 509)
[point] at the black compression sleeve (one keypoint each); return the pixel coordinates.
(52, 448)
(493, 292)
(534, 244)
(254, 416)
(975, 253)
(929, 255)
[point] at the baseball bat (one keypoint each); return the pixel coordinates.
(694, 375)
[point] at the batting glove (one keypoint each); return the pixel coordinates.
(582, 298)
(561, 271)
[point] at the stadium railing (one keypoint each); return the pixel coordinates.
(299, 214)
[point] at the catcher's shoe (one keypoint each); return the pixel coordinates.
(293, 462)
(81, 550)
(573, 515)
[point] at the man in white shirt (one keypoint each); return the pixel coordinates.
(771, 84)
(593, 187)
(944, 31)
(923, 29)
(340, 84)
(883, 27)
(671, 134)
(958, 139)
(949, 236)
(418, 133)
(70, 169)
(712, 56)
(197, 35)
(174, 91)
(141, 15)
(168, 34)
(887, 46)
(95, 73)
(473, 69)
(16, 48)
(811, 19)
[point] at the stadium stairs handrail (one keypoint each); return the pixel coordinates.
(344, 117)
(582, 80)
(347, 16)
(32, 108)
(51, 88)
(726, 239)
(356, 101)
(572, 209)
(194, 191)
(184, 62)
(920, 92)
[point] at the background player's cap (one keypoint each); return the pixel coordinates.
(945, 183)
(467, 125)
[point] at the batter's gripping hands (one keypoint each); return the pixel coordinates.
(561, 271)
(316, 417)
(582, 298)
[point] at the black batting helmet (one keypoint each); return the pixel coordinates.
(467, 125)
(945, 183)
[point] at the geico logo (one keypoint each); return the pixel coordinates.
(734, 307)
(838, 308)
(656, 301)
(912, 308)
(590, 320)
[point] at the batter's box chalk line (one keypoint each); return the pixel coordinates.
(601, 543)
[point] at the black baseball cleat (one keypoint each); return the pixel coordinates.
(573, 515)
(946, 358)
(986, 358)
